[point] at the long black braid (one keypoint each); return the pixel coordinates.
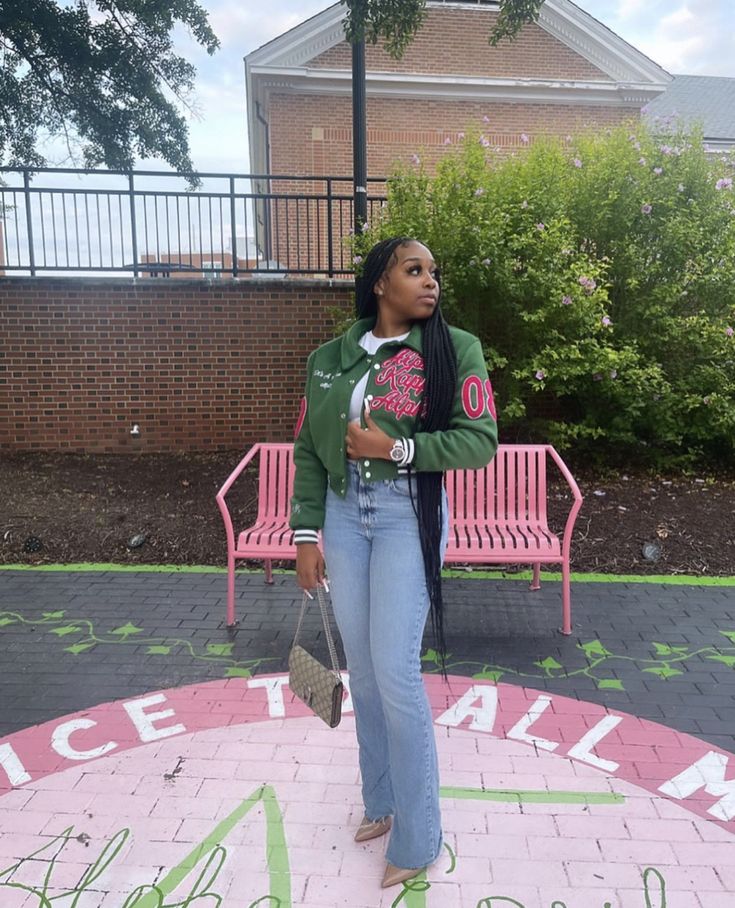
(440, 373)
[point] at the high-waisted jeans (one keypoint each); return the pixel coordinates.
(376, 578)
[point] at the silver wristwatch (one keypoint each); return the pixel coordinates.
(398, 451)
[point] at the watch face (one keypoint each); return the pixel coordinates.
(397, 452)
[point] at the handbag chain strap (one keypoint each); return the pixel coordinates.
(325, 620)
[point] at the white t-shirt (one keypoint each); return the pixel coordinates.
(370, 343)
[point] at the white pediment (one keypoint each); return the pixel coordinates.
(566, 22)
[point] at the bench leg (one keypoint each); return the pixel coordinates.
(230, 590)
(566, 599)
(268, 570)
(536, 582)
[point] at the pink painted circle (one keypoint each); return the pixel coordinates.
(229, 793)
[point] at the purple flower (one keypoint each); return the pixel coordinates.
(706, 400)
(729, 331)
(566, 300)
(577, 162)
(486, 119)
(588, 283)
(642, 162)
(724, 183)
(646, 209)
(524, 138)
(356, 260)
(480, 191)
(415, 159)
(606, 321)
(658, 170)
(447, 141)
(485, 142)
(540, 374)
(540, 226)
(666, 149)
(644, 109)
(486, 261)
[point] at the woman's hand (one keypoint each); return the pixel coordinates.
(309, 565)
(371, 441)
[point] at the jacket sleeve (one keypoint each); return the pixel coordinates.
(310, 477)
(471, 440)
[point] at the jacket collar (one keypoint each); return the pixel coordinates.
(351, 350)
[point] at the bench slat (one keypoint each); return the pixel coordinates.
(496, 515)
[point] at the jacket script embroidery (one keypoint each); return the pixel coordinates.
(406, 386)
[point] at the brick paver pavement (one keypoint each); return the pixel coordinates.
(150, 757)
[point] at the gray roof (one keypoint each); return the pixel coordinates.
(709, 100)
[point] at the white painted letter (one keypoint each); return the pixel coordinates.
(14, 769)
(347, 702)
(274, 692)
(60, 741)
(519, 730)
(483, 716)
(582, 750)
(144, 723)
(708, 773)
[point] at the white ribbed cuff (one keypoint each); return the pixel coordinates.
(305, 536)
(410, 451)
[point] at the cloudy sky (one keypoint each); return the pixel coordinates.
(683, 36)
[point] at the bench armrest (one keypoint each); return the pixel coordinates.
(220, 497)
(576, 504)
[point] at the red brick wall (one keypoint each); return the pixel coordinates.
(400, 128)
(455, 41)
(312, 133)
(199, 365)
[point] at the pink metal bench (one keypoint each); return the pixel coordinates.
(497, 515)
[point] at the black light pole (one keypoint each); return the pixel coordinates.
(359, 135)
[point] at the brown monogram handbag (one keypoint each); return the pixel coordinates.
(318, 686)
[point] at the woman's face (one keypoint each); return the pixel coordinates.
(409, 285)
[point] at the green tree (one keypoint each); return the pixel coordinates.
(397, 21)
(100, 71)
(599, 272)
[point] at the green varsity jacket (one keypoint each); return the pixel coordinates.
(394, 391)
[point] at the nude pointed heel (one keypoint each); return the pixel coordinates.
(394, 875)
(371, 829)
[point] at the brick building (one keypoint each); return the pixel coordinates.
(561, 74)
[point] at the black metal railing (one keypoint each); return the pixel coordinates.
(144, 223)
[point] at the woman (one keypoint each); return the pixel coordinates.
(389, 406)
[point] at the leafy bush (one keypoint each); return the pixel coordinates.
(599, 273)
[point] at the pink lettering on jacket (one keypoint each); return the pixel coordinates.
(477, 397)
(406, 386)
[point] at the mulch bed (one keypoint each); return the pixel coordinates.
(87, 508)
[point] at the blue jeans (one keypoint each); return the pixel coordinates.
(376, 578)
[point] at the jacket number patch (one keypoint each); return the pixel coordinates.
(477, 397)
(302, 416)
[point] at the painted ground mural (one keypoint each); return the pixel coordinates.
(228, 793)
(78, 635)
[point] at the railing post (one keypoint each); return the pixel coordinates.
(29, 222)
(330, 253)
(133, 229)
(233, 227)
